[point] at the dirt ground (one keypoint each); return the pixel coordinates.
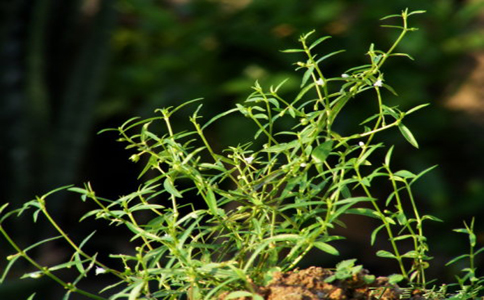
(310, 284)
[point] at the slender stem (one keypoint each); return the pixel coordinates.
(46, 270)
(386, 225)
(41, 201)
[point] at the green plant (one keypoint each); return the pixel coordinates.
(346, 269)
(206, 221)
(470, 284)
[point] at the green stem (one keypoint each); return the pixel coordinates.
(386, 225)
(41, 201)
(46, 270)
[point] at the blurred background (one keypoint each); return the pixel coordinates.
(71, 68)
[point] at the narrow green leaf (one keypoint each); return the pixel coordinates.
(407, 134)
(292, 50)
(307, 75)
(31, 296)
(416, 12)
(319, 41)
(403, 237)
(170, 188)
(212, 202)
(326, 248)
(410, 254)
(243, 294)
(367, 212)
(261, 116)
(416, 108)
(402, 54)
(385, 254)
(136, 291)
(432, 218)
(219, 116)
(329, 55)
(395, 278)
(457, 259)
(404, 174)
(375, 233)
(281, 147)
(78, 263)
(390, 16)
(388, 156)
(393, 26)
(321, 152)
(389, 88)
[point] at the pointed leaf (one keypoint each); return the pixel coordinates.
(170, 188)
(292, 50)
(388, 156)
(319, 41)
(407, 134)
(326, 248)
(306, 76)
(416, 108)
(385, 254)
(321, 152)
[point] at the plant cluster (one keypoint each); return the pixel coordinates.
(206, 221)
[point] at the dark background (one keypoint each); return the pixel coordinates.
(71, 68)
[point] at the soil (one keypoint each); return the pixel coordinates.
(310, 284)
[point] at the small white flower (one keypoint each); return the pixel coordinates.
(345, 75)
(320, 82)
(249, 159)
(378, 83)
(303, 165)
(100, 270)
(361, 144)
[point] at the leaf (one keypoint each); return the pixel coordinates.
(321, 152)
(281, 147)
(385, 254)
(416, 108)
(292, 50)
(407, 134)
(402, 54)
(219, 116)
(416, 12)
(319, 41)
(243, 294)
(261, 116)
(432, 218)
(411, 254)
(78, 263)
(326, 248)
(388, 156)
(306, 76)
(136, 291)
(374, 234)
(390, 16)
(329, 55)
(404, 174)
(368, 212)
(31, 296)
(395, 278)
(170, 188)
(212, 202)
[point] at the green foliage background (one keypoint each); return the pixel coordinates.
(71, 68)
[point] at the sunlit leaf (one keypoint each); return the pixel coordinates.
(407, 134)
(326, 248)
(321, 152)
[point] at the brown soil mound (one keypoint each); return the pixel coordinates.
(309, 284)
